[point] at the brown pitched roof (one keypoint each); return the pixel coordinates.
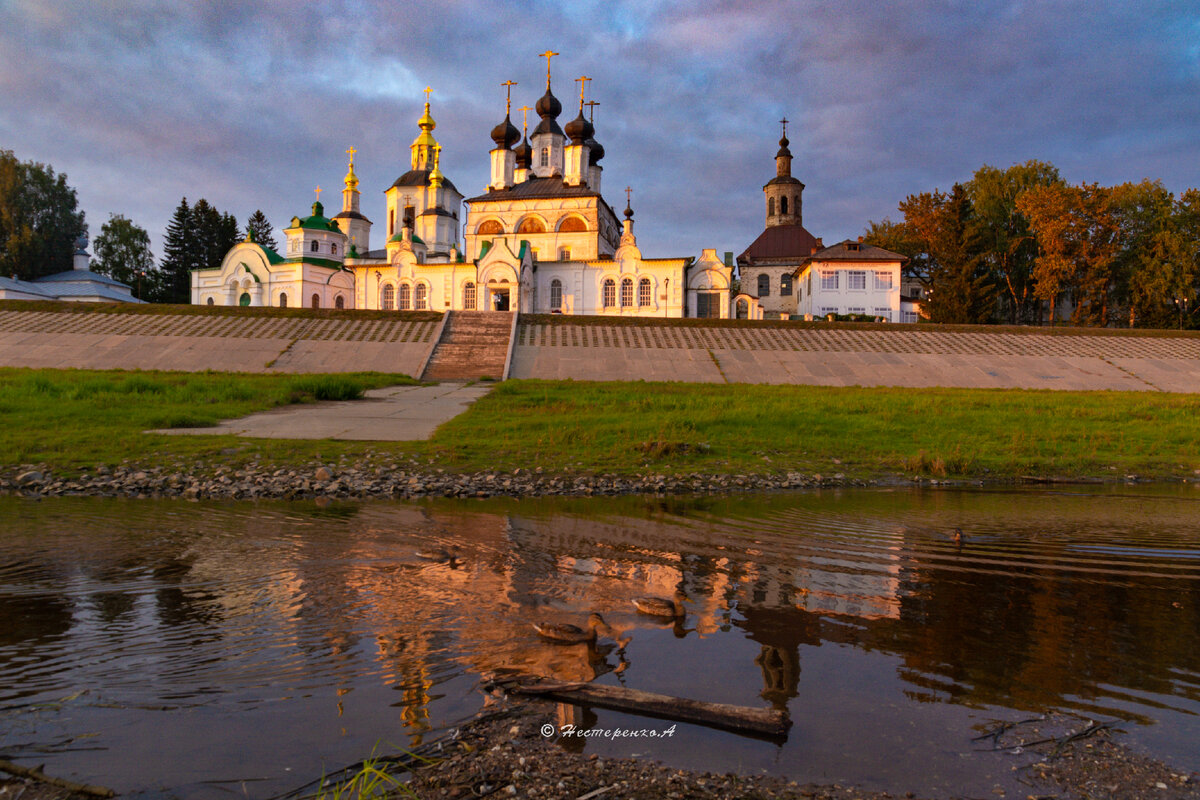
(864, 252)
(781, 241)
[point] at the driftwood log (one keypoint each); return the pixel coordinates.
(35, 773)
(768, 721)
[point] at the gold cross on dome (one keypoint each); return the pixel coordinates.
(352, 151)
(785, 122)
(628, 192)
(582, 81)
(591, 104)
(549, 54)
(508, 99)
(525, 117)
(318, 193)
(427, 91)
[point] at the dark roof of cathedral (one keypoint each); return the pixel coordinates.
(850, 250)
(536, 188)
(548, 125)
(350, 215)
(420, 177)
(437, 212)
(781, 241)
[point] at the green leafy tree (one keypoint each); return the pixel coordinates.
(264, 234)
(959, 286)
(1002, 232)
(899, 238)
(1078, 241)
(39, 219)
(122, 252)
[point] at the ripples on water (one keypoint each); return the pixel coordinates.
(188, 648)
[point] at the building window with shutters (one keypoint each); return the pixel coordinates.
(610, 293)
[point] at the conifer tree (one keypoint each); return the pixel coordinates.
(179, 257)
(264, 234)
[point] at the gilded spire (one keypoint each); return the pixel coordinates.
(549, 54)
(525, 118)
(351, 179)
(435, 174)
(422, 146)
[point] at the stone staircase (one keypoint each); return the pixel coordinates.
(474, 344)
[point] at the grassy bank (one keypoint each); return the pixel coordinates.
(79, 418)
(70, 419)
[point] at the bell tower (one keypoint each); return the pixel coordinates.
(783, 193)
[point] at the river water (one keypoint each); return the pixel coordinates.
(177, 649)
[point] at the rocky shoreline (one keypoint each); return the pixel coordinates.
(391, 480)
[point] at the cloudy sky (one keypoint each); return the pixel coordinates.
(252, 104)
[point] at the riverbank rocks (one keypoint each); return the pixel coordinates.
(366, 479)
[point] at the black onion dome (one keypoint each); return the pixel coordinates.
(596, 152)
(579, 129)
(524, 155)
(548, 105)
(783, 148)
(505, 135)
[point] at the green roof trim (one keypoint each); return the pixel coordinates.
(316, 262)
(483, 248)
(272, 256)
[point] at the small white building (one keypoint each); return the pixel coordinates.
(851, 278)
(79, 284)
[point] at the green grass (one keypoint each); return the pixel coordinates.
(77, 418)
(670, 427)
(70, 419)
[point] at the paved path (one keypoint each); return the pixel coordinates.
(393, 414)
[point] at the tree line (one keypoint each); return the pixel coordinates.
(1022, 246)
(40, 223)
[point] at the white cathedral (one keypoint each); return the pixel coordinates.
(540, 239)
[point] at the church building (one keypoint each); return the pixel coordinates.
(541, 238)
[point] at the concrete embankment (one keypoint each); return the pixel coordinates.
(600, 349)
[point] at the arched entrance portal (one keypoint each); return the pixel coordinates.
(500, 288)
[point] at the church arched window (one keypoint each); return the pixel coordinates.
(627, 293)
(333, 248)
(316, 301)
(469, 296)
(783, 205)
(556, 295)
(314, 246)
(764, 285)
(770, 206)
(489, 227)
(644, 292)
(405, 297)
(610, 293)
(545, 156)
(210, 301)
(785, 285)
(419, 297)
(531, 225)
(387, 299)
(283, 299)
(339, 302)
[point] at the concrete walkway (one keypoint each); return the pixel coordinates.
(392, 414)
